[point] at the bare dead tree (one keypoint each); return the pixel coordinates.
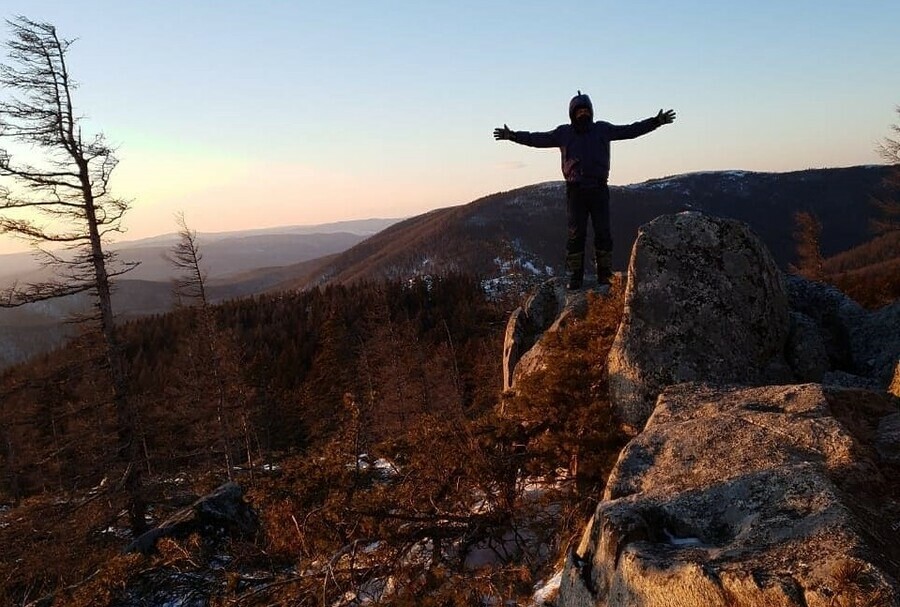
(218, 357)
(889, 150)
(59, 196)
(190, 285)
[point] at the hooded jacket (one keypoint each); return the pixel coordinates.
(585, 154)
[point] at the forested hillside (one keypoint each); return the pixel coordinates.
(306, 396)
(869, 273)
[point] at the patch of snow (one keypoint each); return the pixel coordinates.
(420, 554)
(372, 547)
(383, 467)
(386, 468)
(370, 592)
(545, 592)
(178, 479)
(270, 467)
(493, 551)
(682, 541)
(117, 532)
(530, 267)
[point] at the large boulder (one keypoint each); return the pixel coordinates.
(743, 497)
(704, 302)
(806, 352)
(858, 342)
(876, 345)
(836, 316)
(223, 510)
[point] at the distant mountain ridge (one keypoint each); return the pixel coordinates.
(526, 226)
(238, 264)
(522, 230)
(226, 253)
(361, 227)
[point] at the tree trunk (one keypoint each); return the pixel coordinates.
(128, 452)
(11, 468)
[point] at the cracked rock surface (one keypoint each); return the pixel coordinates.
(705, 301)
(738, 497)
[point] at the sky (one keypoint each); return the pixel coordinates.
(284, 112)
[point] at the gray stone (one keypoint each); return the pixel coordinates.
(527, 323)
(574, 308)
(858, 341)
(887, 439)
(842, 379)
(222, 510)
(728, 498)
(549, 310)
(543, 306)
(836, 315)
(805, 350)
(876, 344)
(704, 302)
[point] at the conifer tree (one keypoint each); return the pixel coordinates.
(216, 356)
(808, 236)
(889, 150)
(66, 184)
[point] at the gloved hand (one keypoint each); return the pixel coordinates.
(502, 134)
(667, 117)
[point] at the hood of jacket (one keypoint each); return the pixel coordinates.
(579, 101)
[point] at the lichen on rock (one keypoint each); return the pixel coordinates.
(704, 302)
(728, 497)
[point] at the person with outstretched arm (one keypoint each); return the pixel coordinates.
(584, 145)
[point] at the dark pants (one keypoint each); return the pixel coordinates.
(583, 203)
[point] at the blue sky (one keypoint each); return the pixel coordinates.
(247, 115)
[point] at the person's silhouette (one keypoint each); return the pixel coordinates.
(584, 145)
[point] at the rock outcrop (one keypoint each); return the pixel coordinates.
(545, 312)
(704, 301)
(737, 496)
(747, 486)
(857, 342)
(222, 510)
(528, 322)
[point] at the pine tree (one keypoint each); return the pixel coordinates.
(808, 236)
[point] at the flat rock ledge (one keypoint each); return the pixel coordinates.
(731, 497)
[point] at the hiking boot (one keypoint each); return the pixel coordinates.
(575, 267)
(604, 267)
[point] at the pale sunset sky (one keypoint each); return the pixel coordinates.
(257, 114)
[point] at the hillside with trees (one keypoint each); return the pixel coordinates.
(362, 416)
